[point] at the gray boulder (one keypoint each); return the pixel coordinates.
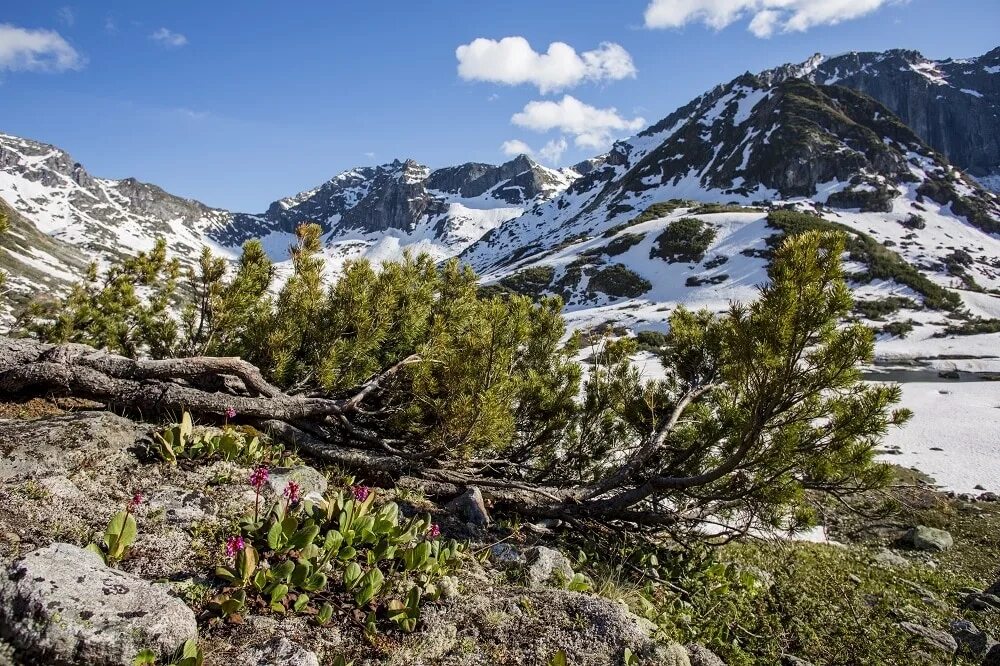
(922, 537)
(470, 507)
(282, 652)
(932, 638)
(61, 605)
(548, 568)
(992, 657)
(699, 655)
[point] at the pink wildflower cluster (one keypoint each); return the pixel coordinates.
(434, 531)
(361, 493)
(234, 546)
(292, 492)
(258, 478)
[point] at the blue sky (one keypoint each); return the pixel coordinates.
(238, 104)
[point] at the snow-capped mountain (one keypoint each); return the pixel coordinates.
(953, 105)
(368, 211)
(592, 233)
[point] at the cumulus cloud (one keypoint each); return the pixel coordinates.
(766, 16)
(589, 126)
(169, 38)
(512, 61)
(515, 147)
(36, 51)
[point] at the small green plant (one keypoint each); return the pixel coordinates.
(316, 556)
(188, 654)
(179, 441)
(685, 240)
(119, 535)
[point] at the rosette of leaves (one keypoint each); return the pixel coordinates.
(338, 556)
(179, 441)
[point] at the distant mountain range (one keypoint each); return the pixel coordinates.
(869, 140)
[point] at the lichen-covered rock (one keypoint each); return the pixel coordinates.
(312, 484)
(700, 655)
(507, 625)
(922, 537)
(61, 605)
(181, 506)
(282, 652)
(548, 568)
(34, 449)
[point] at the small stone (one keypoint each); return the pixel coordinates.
(890, 558)
(989, 497)
(699, 655)
(929, 538)
(181, 506)
(673, 654)
(450, 588)
(470, 507)
(311, 482)
(505, 554)
(979, 486)
(282, 652)
(932, 637)
(548, 568)
(61, 604)
(789, 660)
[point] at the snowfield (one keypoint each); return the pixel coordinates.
(954, 435)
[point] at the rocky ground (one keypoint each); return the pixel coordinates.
(63, 473)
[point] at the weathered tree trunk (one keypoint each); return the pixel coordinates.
(31, 368)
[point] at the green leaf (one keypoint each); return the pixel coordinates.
(300, 602)
(325, 614)
(278, 593)
(352, 575)
(369, 587)
(145, 657)
(94, 548)
(559, 659)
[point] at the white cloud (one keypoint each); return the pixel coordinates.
(36, 51)
(169, 38)
(554, 149)
(110, 26)
(591, 127)
(370, 155)
(766, 16)
(66, 16)
(512, 61)
(515, 147)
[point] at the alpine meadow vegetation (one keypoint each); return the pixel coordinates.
(758, 404)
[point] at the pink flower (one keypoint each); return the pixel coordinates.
(361, 493)
(292, 492)
(230, 413)
(134, 502)
(258, 478)
(434, 531)
(234, 545)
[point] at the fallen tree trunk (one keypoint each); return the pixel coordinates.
(32, 368)
(321, 427)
